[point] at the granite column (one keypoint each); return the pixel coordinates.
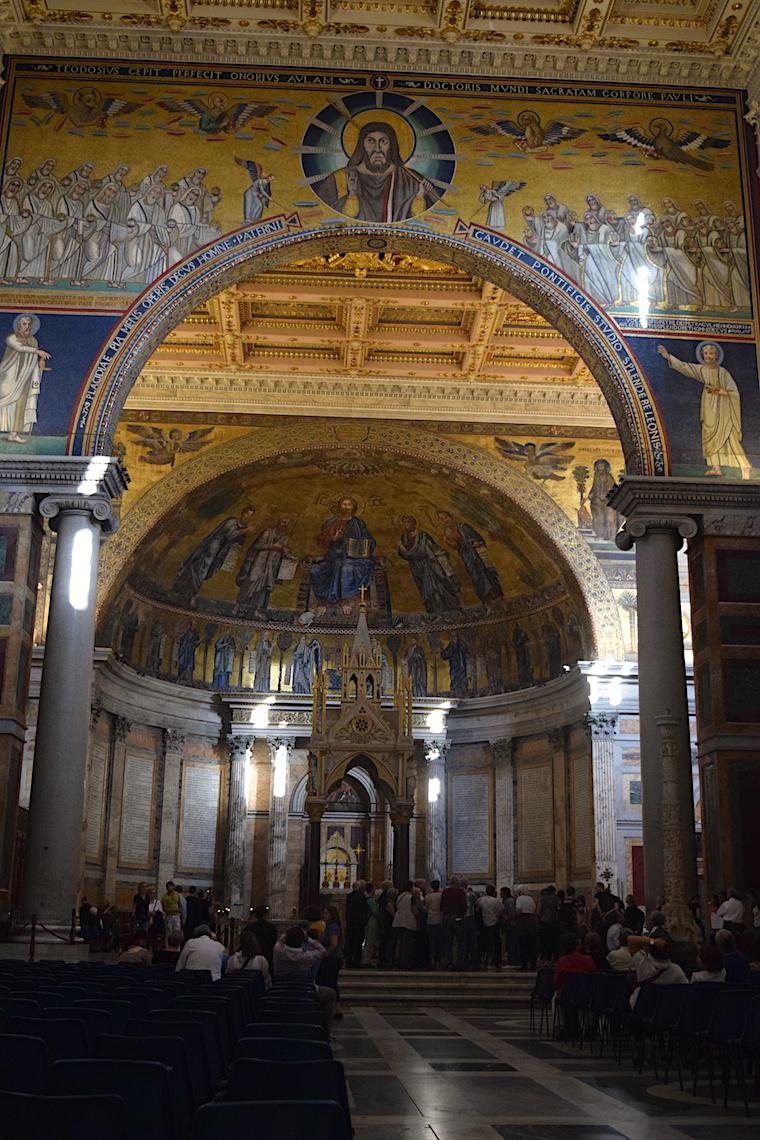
(52, 877)
(278, 825)
(237, 822)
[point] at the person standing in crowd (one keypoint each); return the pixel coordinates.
(202, 952)
(172, 908)
(549, 908)
(509, 927)
(357, 914)
(140, 904)
(194, 912)
(491, 912)
(453, 911)
(296, 956)
(156, 923)
(732, 912)
(265, 931)
(387, 905)
(633, 915)
(110, 937)
(527, 938)
(372, 936)
(182, 907)
(471, 951)
(405, 924)
(568, 915)
(249, 957)
(433, 928)
(756, 928)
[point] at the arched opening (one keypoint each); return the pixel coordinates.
(595, 336)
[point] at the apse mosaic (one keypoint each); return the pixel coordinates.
(115, 173)
(261, 578)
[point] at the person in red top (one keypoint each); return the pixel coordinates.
(571, 961)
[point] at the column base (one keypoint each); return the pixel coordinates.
(680, 924)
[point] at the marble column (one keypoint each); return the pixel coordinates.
(401, 814)
(602, 729)
(117, 759)
(679, 886)
(174, 746)
(315, 809)
(437, 832)
(278, 826)
(503, 752)
(662, 688)
(237, 823)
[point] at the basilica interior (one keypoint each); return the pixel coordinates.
(379, 467)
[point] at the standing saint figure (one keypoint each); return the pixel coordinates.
(224, 656)
(430, 566)
(21, 379)
(521, 646)
(260, 664)
(188, 643)
(209, 556)
(720, 408)
(471, 548)
(305, 658)
(417, 664)
(348, 561)
(376, 185)
(257, 576)
(604, 518)
(456, 655)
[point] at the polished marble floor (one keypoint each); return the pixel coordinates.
(425, 1074)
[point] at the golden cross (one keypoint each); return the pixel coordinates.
(362, 592)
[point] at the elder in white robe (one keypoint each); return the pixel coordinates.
(20, 379)
(145, 250)
(720, 409)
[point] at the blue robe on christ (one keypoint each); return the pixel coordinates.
(347, 564)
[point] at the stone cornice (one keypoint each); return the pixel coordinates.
(375, 397)
(673, 498)
(63, 474)
(701, 66)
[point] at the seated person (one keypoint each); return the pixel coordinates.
(592, 945)
(571, 961)
(711, 965)
(621, 960)
(654, 966)
(249, 957)
(169, 956)
(137, 951)
(297, 956)
(202, 952)
(734, 962)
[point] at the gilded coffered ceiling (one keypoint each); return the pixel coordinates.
(362, 333)
(713, 42)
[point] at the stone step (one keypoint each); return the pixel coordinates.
(472, 989)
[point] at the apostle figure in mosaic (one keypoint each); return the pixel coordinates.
(430, 566)
(21, 370)
(720, 408)
(258, 574)
(209, 556)
(471, 548)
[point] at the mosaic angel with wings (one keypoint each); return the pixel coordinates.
(528, 132)
(660, 142)
(88, 107)
(216, 114)
(543, 461)
(162, 450)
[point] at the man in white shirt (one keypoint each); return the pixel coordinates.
(732, 912)
(491, 911)
(434, 925)
(202, 952)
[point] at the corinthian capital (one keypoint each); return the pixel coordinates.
(601, 724)
(238, 746)
(174, 741)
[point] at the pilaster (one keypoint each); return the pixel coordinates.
(120, 728)
(602, 729)
(237, 812)
(174, 747)
(280, 750)
(503, 753)
(437, 838)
